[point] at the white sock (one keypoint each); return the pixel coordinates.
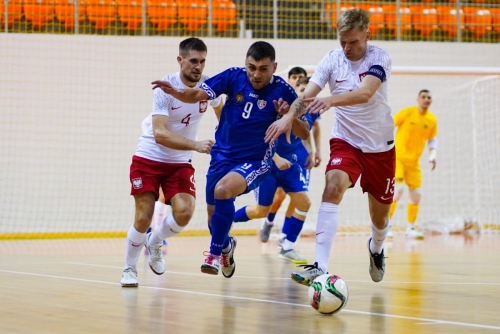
(270, 223)
(282, 235)
(168, 229)
(135, 242)
(159, 214)
(378, 237)
(409, 226)
(287, 245)
(326, 228)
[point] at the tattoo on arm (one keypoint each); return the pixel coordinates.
(299, 107)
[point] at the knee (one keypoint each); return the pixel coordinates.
(333, 193)
(222, 192)
(142, 221)
(399, 189)
(303, 203)
(261, 211)
(415, 196)
(183, 216)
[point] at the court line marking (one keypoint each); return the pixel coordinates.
(285, 278)
(384, 315)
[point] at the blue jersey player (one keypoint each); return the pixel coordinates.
(289, 174)
(240, 158)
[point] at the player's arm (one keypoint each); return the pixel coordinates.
(171, 140)
(309, 161)
(297, 109)
(187, 95)
(363, 94)
(218, 109)
(432, 143)
(316, 130)
(300, 128)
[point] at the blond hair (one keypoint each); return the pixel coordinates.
(353, 18)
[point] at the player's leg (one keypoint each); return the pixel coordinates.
(264, 198)
(295, 224)
(342, 172)
(414, 182)
(158, 216)
(378, 180)
(267, 226)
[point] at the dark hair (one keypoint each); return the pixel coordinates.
(423, 91)
(297, 70)
(302, 81)
(191, 44)
(261, 50)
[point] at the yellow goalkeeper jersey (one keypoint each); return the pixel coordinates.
(413, 130)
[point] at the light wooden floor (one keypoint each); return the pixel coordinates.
(444, 284)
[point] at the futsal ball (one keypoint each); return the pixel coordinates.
(328, 294)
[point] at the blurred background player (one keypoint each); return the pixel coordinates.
(307, 158)
(163, 159)
(416, 125)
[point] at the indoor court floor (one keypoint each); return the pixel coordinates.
(443, 284)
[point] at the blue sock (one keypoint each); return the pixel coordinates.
(271, 216)
(286, 225)
(222, 220)
(241, 215)
(294, 228)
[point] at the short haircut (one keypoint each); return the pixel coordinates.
(261, 50)
(191, 44)
(353, 18)
(302, 81)
(423, 91)
(297, 70)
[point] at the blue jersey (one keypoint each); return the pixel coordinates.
(246, 115)
(285, 149)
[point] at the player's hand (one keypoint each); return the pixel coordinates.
(281, 106)
(433, 164)
(204, 146)
(283, 125)
(317, 104)
(282, 163)
(309, 161)
(164, 86)
(317, 158)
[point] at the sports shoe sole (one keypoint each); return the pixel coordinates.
(209, 270)
(157, 273)
(415, 238)
(130, 285)
(293, 261)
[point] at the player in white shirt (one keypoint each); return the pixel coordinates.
(163, 159)
(362, 141)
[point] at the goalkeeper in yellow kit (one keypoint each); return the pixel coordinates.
(415, 125)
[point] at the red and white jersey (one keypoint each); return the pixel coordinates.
(183, 120)
(368, 126)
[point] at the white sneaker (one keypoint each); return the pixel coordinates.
(156, 262)
(389, 233)
(307, 276)
(377, 264)
(413, 233)
(293, 256)
(129, 278)
(211, 264)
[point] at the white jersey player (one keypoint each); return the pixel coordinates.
(363, 137)
(163, 159)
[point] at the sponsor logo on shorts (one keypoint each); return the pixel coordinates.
(137, 183)
(385, 198)
(336, 161)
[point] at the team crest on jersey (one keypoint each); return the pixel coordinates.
(362, 75)
(261, 104)
(336, 161)
(203, 106)
(137, 183)
(239, 98)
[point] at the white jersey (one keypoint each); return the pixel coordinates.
(368, 126)
(183, 120)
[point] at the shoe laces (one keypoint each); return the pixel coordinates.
(378, 260)
(310, 266)
(210, 257)
(129, 272)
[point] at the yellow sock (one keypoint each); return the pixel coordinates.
(412, 213)
(392, 209)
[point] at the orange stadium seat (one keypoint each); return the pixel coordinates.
(38, 12)
(331, 8)
(495, 19)
(424, 18)
(15, 10)
(65, 12)
(130, 13)
(447, 19)
(101, 12)
(478, 20)
(390, 14)
(223, 15)
(162, 13)
(377, 19)
(192, 14)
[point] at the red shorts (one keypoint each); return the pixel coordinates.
(149, 175)
(377, 170)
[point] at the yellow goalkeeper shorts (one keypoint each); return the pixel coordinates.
(409, 173)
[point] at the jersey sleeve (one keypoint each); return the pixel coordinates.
(216, 102)
(434, 130)
(323, 71)
(381, 65)
(218, 84)
(161, 103)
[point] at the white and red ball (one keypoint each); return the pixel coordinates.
(328, 294)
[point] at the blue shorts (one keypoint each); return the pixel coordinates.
(254, 173)
(291, 180)
(302, 155)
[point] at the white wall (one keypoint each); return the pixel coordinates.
(71, 107)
